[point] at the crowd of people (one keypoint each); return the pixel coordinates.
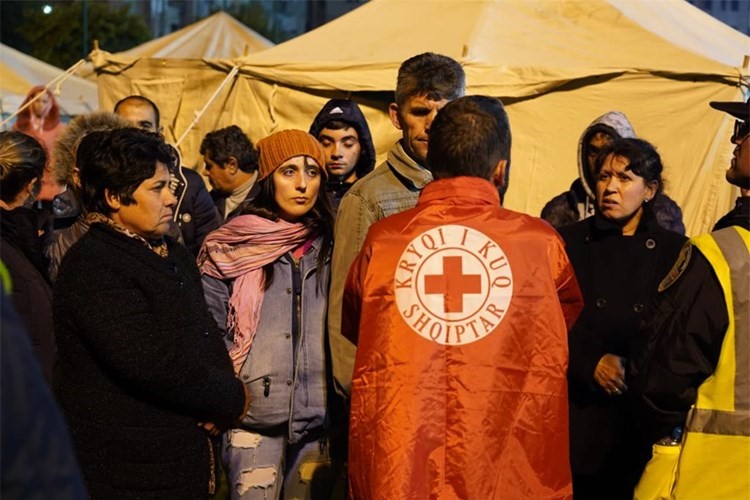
(316, 326)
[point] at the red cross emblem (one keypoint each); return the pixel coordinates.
(453, 284)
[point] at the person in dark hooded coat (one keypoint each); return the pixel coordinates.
(342, 129)
(22, 164)
(578, 202)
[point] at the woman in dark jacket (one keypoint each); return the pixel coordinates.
(620, 255)
(144, 375)
(22, 161)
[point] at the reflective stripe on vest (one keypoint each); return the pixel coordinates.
(723, 402)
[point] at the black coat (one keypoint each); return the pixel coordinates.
(36, 457)
(197, 215)
(738, 216)
(141, 362)
(21, 252)
(619, 276)
(677, 348)
(220, 202)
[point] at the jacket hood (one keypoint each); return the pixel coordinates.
(70, 137)
(349, 112)
(614, 123)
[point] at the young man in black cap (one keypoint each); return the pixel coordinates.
(689, 369)
(350, 155)
(738, 173)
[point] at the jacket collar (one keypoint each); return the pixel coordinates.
(648, 223)
(461, 190)
(408, 171)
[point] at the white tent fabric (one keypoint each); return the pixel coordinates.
(557, 64)
(21, 72)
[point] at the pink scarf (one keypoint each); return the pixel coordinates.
(238, 250)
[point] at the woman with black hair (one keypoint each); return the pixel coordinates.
(265, 274)
(620, 255)
(144, 376)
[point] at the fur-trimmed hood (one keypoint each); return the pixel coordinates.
(77, 129)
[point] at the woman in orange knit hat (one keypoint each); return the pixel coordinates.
(265, 276)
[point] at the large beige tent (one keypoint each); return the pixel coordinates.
(19, 72)
(557, 64)
(217, 36)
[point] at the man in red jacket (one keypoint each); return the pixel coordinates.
(460, 309)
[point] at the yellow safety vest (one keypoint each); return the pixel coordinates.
(713, 460)
(6, 283)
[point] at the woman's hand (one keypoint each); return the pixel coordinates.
(610, 374)
(216, 428)
(210, 427)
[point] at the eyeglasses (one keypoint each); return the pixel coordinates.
(741, 129)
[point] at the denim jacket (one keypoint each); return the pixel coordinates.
(392, 187)
(285, 369)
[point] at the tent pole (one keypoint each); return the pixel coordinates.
(211, 99)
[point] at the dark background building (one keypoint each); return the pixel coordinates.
(60, 32)
(735, 13)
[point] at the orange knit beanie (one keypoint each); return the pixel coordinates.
(281, 146)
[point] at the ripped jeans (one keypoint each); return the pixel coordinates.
(261, 467)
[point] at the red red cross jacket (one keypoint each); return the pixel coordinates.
(460, 309)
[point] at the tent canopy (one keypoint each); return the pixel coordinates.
(515, 47)
(214, 37)
(217, 36)
(557, 65)
(21, 72)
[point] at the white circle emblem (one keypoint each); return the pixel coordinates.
(453, 285)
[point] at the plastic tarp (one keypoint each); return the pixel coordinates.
(19, 72)
(556, 64)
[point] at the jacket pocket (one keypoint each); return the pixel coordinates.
(269, 402)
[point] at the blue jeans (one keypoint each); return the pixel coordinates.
(269, 467)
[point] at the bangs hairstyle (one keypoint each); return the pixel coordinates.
(643, 159)
(319, 219)
(22, 159)
(469, 137)
(433, 75)
(117, 162)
